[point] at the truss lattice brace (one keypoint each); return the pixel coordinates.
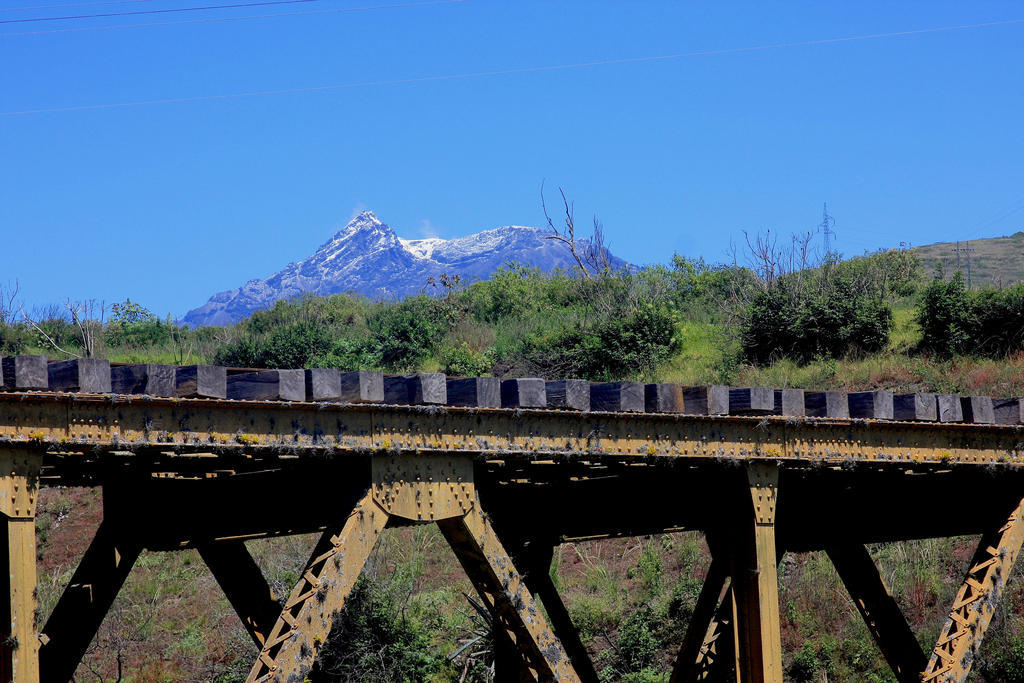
(976, 601)
(428, 489)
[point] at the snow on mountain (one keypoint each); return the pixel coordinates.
(367, 257)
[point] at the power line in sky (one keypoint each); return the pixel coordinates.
(509, 72)
(1001, 214)
(214, 20)
(156, 11)
(73, 4)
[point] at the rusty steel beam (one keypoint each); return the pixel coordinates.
(306, 619)
(502, 589)
(19, 488)
(536, 559)
(976, 601)
(755, 582)
(19, 649)
(268, 429)
(715, 648)
(85, 601)
(701, 645)
(882, 615)
(509, 665)
(244, 585)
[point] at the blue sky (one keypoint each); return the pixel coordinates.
(914, 138)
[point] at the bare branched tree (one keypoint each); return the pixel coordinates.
(566, 235)
(771, 261)
(87, 317)
(8, 298)
(597, 255)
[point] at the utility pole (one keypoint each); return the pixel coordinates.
(826, 226)
(968, 251)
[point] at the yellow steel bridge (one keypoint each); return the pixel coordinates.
(205, 458)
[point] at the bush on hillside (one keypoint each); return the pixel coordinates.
(802, 309)
(999, 316)
(297, 345)
(307, 331)
(787, 321)
(14, 339)
(955, 321)
(945, 317)
(458, 359)
(615, 348)
(335, 312)
(134, 326)
(510, 292)
(407, 332)
(695, 282)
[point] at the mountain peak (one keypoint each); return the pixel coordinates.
(364, 220)
(364, 226)
(365, 216)
(368, 258)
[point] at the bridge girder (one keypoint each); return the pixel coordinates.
(595, 474)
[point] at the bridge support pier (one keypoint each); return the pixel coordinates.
(735, 632)
(882, 615)
(244, 585)
(536, 561)
(426, 489)
(503, 591)
(707, 638)
(19, 641)
(331, 572)
(85, 601)
(976, 601)
(755, 583)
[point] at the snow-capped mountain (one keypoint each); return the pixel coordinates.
(368, 258)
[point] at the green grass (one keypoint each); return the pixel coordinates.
(700, 357)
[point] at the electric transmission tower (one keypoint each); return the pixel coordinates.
(826, 228)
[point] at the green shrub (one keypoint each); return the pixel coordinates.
(683, 600)
(133, 325)
(333, 312)
(945, 317)
(14, 339)
(612, 348)
(460, 360)
(373, 640)
(407, 332)
(792, 320)
(1004, 665)
(695, 282)
(649, 571)
(645, 676)
(955, 321)
(806, 663)
(352, 353)
(638, 643)
(293, 346)
(510, 292)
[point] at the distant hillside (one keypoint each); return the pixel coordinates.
(367, 257)
(996, 261)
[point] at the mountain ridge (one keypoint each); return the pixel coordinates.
(994, 261)
(367, 257)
